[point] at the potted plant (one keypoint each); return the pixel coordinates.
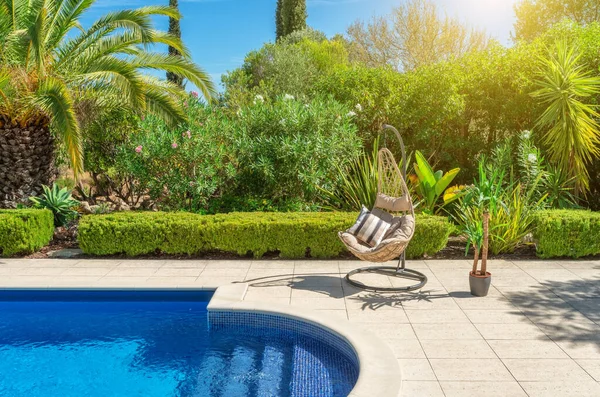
(474, 219)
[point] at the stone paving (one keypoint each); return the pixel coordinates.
(537, 333)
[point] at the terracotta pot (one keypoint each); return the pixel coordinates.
(480, 285)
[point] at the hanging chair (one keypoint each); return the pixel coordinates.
(392, 196)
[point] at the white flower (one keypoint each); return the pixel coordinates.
(259, 98)
(526, 134)
(531, 157)
(358, 107)
(351, 114)
(288, 97)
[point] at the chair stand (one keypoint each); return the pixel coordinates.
(400, 271)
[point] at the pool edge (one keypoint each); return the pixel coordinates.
(379, 371)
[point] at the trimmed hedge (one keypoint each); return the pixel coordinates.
(293, 234)
(25, 231)
(573, 233)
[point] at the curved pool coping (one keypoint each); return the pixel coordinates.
(379, 371)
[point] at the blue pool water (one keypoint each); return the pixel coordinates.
(104, 344)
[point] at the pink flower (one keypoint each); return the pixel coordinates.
(174, 145)
(138, 149)
(194, 94)
(188, 133)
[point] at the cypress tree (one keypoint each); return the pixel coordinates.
(295, 15)
(290, 16)
(279, 29)
(175, 30)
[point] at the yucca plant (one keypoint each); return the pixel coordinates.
(568, 124)
(357, 185)
(59, 201)
(54, 75)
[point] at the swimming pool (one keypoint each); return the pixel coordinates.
(156, 343)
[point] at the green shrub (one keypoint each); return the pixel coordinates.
(572, 233)
(292, 234)
(24, 231)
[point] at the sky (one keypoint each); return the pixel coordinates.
(219, 33)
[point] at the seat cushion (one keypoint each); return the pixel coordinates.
(370, 227)
(402, 228)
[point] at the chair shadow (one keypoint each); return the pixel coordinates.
(333, 286)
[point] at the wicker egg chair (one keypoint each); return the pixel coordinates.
(392, 196)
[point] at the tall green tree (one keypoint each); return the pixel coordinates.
(568, 124)
(279, 30)
(55, 75)
(174, 30)
(534, 17)
(290, 16)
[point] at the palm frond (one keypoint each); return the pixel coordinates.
(52, 97)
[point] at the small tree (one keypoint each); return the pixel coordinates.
(290, 16)
(175, 31)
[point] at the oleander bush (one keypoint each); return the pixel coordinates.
(24, 231)
(570, 233)
(293, 235)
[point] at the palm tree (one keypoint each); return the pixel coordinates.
(54, 74)
(569, 122)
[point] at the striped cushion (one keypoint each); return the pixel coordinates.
(370, 227)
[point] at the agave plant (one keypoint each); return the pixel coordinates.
(54, 74)
(431, 185)
(569, 126)
(59, 201)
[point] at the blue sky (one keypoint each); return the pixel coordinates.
(220, 32)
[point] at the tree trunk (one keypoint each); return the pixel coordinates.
(26, 160)
(484, 251)
(475, 259)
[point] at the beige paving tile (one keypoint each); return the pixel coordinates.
(478, 388)
(184, 264)
(338, 314)
(163, 281)
(392, 331)
(272, 264)
(581, 348)
(486, 303)
(177, 272)
(267, 292)
(73, 281)
(141, 263)
(225, 272)
(490, 369)
(86, 271)
(40, 271)
(421, 389)
(271, 301)
(26, 282)
(416, 369)
(213, 282)
(592, 367)
(445, 331)
(316, 280)
(431, 303)
(120, 282)
(319, 303)
(229, 264)
(436, 316)
(511, 331)
(319, 292)
(545, 370)
(97, 263)
(457, 349)
(563, 388)
(131, 272)
(527, 349)
(496, 316)
(405, 348)
(553, 275)
(378, 316)
(538, 264)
